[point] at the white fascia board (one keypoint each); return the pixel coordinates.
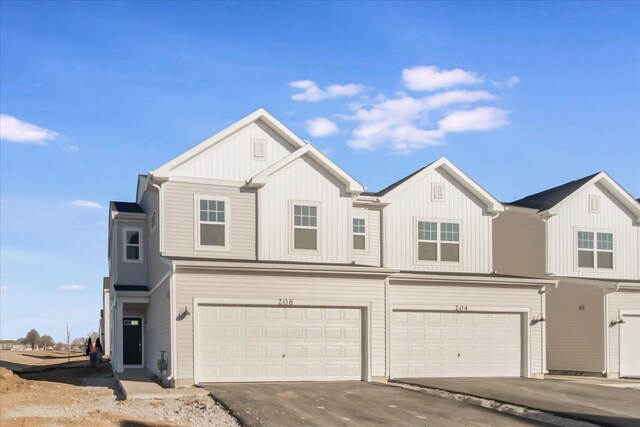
(492, 204)
(479, 280)
(261, 179)
(282, 268)
(603, 284)
(632, 286)
(164, 171)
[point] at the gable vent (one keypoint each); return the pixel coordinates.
(258, 148)
(594, 204)
(437, 192)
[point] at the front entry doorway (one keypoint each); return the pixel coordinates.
(132, 337)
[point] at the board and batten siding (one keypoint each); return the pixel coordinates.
(130, 273)
(574, 215)
(180, 220)
(301, 182)
(413, 201)
(445, 297)
(371, 255)
(575, 316)
(623, 300)
(342, 289)
(232, 158)
(519, 243)
(157, 334)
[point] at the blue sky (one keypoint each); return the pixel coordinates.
(521, 96)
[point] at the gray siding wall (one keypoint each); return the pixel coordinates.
(156, 269)
(446, 297)
(260, 286)
(626, 301)
(129, 273)
(371, 255)
(180, 220)
(575, 340)
(519, 244)
(157, 327)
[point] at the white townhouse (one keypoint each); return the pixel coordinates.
(586, 235)
(253, 257)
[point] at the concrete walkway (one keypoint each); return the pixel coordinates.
(601, 401)
(140, 384)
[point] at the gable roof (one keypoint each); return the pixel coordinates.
(260, 114)
(352, 186)
(492, 204)
(549, 199)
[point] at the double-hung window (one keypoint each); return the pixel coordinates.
(305, 227)
(595, 250)
(212, 230)
(359, 234)
(132, 250)
(438, 241)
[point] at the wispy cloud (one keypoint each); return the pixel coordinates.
(311, 92)
(72, 288)
(510, 82)
(319, 127)
(87, 204)
(71, 149)
(430, 78)
(15, 130)
(477, 119)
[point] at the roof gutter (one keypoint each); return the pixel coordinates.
(478, 280)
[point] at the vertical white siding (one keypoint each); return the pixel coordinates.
(621, 300)
(157, 328)
(303, 180)
(519, 243)
(476, 298)
(413, 202)
(130, 273)
(180, 220)
(308, 287)
(574, 215)
(574, 335)
(232, 159)
(371, 255)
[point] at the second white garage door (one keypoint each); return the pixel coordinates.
(241, 343)
(630, 346)
(445, 344)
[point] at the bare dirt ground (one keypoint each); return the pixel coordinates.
(19, 361)
(90, 395)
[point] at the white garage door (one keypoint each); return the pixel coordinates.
(630, 346)
(239, 343)
(444, 344)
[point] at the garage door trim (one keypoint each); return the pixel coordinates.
(365, 306)
(525, 312)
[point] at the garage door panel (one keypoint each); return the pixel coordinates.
(630, 346)
(444, 344)
(278, 344)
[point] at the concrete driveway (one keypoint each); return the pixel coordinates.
(601, 401)
(349, 404)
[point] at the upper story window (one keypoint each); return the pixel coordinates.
(132, 242)
(595, 250)
(359, 234)
(305, 227)
(438, 241)
(212, 228)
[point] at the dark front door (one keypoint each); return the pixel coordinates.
(132, 337)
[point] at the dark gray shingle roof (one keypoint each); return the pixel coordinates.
(549, 198)
(395, 184)
(127, 207)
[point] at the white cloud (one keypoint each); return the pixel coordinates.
(15, 130)
(478, 119)
(443, 99)
(72, 288)
(71, 149)
(87, 204)
(320, 127)
(431, 78)
(510, 82)
(313, 93)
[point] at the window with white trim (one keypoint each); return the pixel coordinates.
(212, 223)
(359, 234)
(305, 227)
(438, 241)
(595, 250)
(132, 251)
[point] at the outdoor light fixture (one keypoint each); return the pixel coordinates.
(183, 312)
(537, 320)
(617, 321)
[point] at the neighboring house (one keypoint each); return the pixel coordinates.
(586, 234)
(253, 257)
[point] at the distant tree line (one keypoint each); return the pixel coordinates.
(34, 340)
